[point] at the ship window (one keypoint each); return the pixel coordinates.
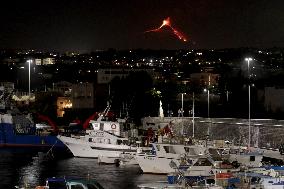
(125, 142)
(158, 147)
(90, 140)
(189, 150)
(252, 158)
(101, 126)
(91, 126)
(169, 149)
(77, 186)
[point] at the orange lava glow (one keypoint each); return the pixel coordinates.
(167, 23)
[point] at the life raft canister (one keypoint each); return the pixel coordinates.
(40, 187)
(113, 126)
(224, 175)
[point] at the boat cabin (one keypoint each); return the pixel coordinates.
(109, 126)
(161, 149)
(66, 183)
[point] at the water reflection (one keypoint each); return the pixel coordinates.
(30, 174)
(17, 170)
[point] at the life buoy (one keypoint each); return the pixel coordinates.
(113, 126)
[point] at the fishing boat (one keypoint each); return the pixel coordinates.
(65, 182)
(18, 133)
(241, 155)
(262, 181)
(181, 180)
(101, 139)
(272, 183)
(199, 175)
(95, 143)
(159, 185)
(124, 159)
(163, 155)
(129, 158)
(245, 156)
(199, 171)
(165, 185)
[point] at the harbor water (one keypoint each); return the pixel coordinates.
(20, 170)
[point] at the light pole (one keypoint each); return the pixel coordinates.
(29, 62)
(193, 115)
(182, 112)
(208, 96)
(208, 108)
(182, 104)
(206, 90)
(208, 115)
(248, 60)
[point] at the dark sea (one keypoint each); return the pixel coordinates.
(20, 170)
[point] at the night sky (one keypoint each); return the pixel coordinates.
(89, 25)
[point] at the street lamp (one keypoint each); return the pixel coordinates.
(208, 100)
(193, 115)
(208, 95)
(182, 104)
(182, 112)
(29, 61)
(248, 60)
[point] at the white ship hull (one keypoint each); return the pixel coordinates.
(107, 160)
(78, 147)
(167, 158)
(82, 148)
(270, 183)
(247, 160)
(157, 165)
(128, 159)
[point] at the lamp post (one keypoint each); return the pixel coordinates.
(248, 60)
(182, 112)
(29, 62)
(208, 99)
(208, 96)
(182, 104)
(193, 115)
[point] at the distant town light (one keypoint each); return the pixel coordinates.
(248, 59)
(278, 125)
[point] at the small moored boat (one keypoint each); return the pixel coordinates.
(64, 183)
